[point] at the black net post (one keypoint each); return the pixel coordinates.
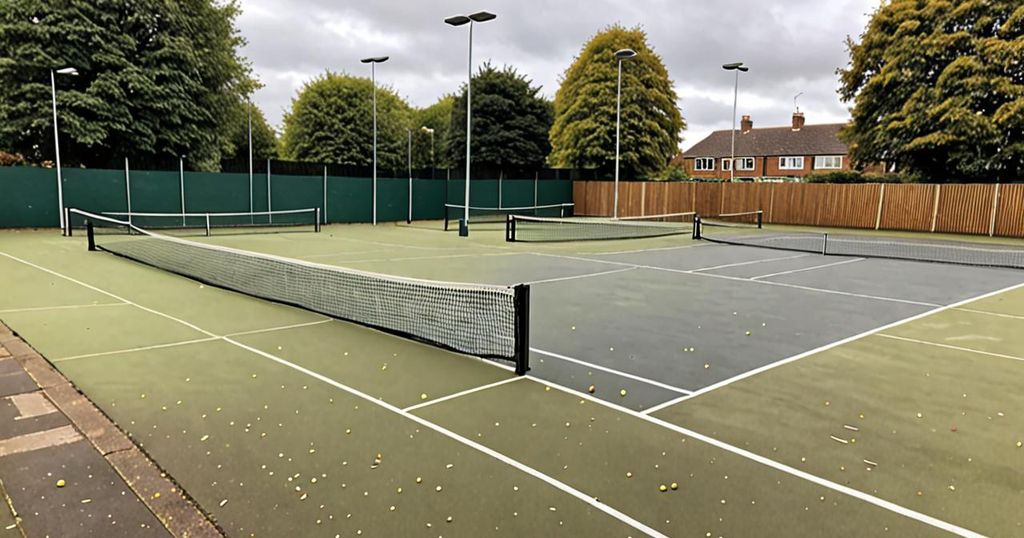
(824, 244)
(522, 328)
(91, 235)
(760, 219)
(510, 229)
(316, 223)
(696, 228)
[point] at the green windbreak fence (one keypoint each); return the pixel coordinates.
(28, 195)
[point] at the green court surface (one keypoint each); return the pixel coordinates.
(281, 422)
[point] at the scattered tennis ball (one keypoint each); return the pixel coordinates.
(706, 366)
(591, 389)
(611, 349)
(1020, 444)
(156, 495)
(61, 483)
(674, 486)
(423, 396)
(919, 415)
(663, 488)
(574, 327)
(748, 333)
(629, 475)
(622, 392)
(419, 479)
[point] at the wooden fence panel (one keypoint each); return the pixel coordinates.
(708, 198)
(630, 198)
(579, 197)
(741, 197)
(1010, 215)
(849, 206)
(965, 209)
(908, 207)
(796, 203)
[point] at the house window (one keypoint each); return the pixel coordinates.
(703, 164)
(828, 162)
(745, 163)
(791, 163)
(726, 165)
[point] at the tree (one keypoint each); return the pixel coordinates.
(583, 135)
(331, 120)
(427, 149)
(264, 139)
(938, 89)
(510, 121)
(156, 79)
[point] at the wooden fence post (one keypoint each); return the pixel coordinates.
(771, 204)
(643, 198)
(995, 206)
(935, 206)
(881, 201)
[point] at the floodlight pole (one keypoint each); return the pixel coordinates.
(250, 158)
(373, 61)
(737, 67)
(409, 133)
(56, 143)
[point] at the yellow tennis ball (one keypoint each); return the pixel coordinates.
(61, 483)
(622, 392)
(663, 488)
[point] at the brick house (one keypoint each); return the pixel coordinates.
(769, 154)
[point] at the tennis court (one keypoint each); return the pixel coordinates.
(763, 388)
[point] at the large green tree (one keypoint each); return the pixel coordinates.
(331, 120)
(157, 79)
(510, 121)
(938, 89)
(264, 139)
(583, 134)
(429, 149)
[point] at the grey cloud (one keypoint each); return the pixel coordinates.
(791, 46)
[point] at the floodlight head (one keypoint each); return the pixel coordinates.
(375, 59)
(734, 65)
(743, 69)
(482, 16)
(457, 20)
(67, 71)
(624, 54)
(427, 130)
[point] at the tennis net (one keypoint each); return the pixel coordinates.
(522, 228)
(477, 319)
(452, 213)
(204, 223)
(865, 246)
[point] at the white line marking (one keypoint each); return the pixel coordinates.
(31, 404)
(954, 348)
(67, 307)
(558, 484)
(577, 277)
(580, 495)
(645, 250)
(283, 327)
(739, 279)
(996, 314)
(463, 393)
(613, 371)
(826, 347)
(439, 257)
(590, 500)
(857, 494)
(134, 349)
(815, 268)
(752, 262)
(343, 253)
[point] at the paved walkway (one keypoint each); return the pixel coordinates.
(67, 470)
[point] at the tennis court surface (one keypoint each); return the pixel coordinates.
(676, 387)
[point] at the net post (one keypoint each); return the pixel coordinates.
(207, 225)
(316, 223)
(760, 219)
(696, 228)
(510, 228)
(824, 244)
(91, 235)
(446, 217)
(67, 221)
(522, 328)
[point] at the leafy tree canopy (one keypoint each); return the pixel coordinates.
(157, 79)
(331, 120)
(938, 89)
(264, 139)
(510, 121)
(428, 150)
(583, 135)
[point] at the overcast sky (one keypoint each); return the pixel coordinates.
(791, 46)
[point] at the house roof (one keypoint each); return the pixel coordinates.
(773, 141)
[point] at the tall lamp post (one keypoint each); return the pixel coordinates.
(373, 80)
(737, 67)
(430, 132)
(56, 142)
(459, 20)
(620, 55)
(249, 108)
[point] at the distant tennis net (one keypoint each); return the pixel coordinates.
(204, 223)
(476, 319)
(452, 213)
(524, 228)
(741, 232)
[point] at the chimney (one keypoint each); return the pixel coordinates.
(798, 121)
(746, 125)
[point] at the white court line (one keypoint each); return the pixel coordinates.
(439, 257)
(954, 348)
(740, 279)
(839, 488)
(134, 349)
(577, 277)
(282, 328)
(613, 371)
(996, 314)
(752, 262)
(67, 307)
(461, 394)
(558, 484)
(645, 250)
(815, 268)
(342, 253)
(826, 347)
(590, 500)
